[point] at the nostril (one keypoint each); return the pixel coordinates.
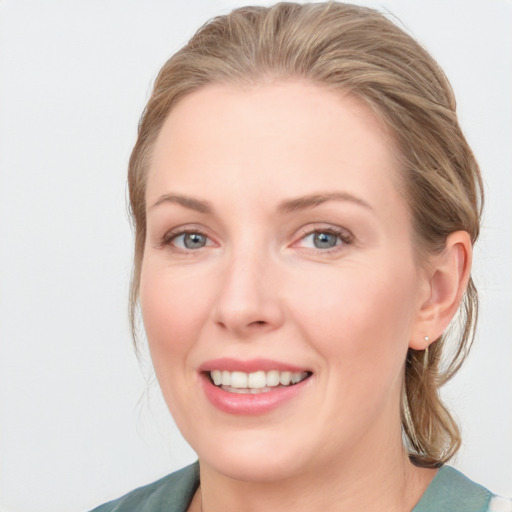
(257, 324)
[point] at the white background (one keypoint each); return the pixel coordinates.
(80, 421)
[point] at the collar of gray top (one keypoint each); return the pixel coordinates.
(451, 491)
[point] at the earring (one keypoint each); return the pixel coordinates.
(425, 355)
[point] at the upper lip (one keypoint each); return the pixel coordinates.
(248, 365)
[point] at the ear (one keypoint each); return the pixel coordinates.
(447, 276)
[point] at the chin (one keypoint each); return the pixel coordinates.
(253, 458)
(257, 468)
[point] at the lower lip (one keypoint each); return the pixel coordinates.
(248, 404)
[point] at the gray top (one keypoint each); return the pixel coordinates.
(449, 491)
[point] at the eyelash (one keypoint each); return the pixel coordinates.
(343, 235)
(172, 235)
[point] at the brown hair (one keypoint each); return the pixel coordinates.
(359, 51)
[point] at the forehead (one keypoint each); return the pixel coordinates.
(295, 132)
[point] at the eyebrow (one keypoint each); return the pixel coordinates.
(288, 206)
(185, 201)
(310, 201)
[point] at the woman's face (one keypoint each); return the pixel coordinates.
(278, 247)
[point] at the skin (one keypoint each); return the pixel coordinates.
(261, 288)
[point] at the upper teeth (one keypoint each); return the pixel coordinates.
(256, 380)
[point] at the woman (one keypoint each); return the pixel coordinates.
(305, 207)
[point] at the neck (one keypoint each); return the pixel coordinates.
(380, 479)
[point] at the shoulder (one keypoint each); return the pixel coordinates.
(451, 491)
(172, 493)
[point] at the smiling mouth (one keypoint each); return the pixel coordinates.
(255, 382)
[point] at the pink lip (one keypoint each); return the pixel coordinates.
(248, 366)
(246, 403)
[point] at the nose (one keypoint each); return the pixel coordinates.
(248, 300)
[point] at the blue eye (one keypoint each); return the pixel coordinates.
(190, 240)
(324, 240)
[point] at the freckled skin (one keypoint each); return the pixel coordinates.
(261, 288)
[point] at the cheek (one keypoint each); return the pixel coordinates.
(359, 322)
(359, 312)
(171, 311)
